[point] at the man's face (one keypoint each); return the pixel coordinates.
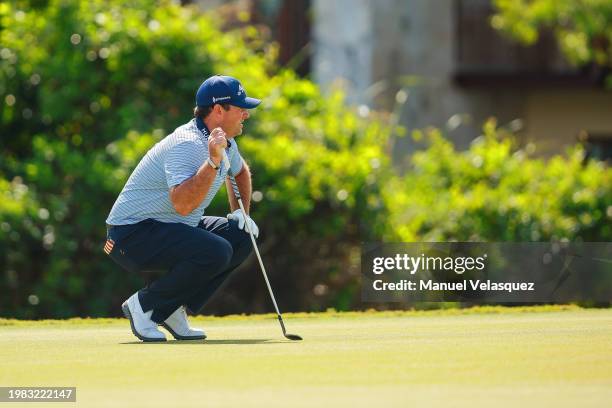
(232, 119)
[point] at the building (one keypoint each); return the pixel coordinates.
(439, 63)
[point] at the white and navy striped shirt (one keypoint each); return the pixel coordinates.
(173, 160)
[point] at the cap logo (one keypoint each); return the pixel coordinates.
(240, 90)
(221, 98)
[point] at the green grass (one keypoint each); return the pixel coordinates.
(559, 356)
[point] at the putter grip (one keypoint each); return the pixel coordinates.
(226, 162)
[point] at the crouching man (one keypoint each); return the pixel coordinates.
(158, 221)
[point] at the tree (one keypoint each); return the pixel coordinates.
(583, 28)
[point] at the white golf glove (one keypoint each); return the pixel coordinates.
(238, 216)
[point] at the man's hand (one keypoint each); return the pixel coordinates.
(239, 216)
(216, 143)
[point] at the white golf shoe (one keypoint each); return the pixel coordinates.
(178, 326)
(142, 326)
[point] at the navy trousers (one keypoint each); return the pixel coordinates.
(196, 260)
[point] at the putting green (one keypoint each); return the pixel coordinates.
(546, 356)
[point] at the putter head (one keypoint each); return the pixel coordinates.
(280, 320)
(293, 336)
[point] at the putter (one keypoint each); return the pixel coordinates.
(263, 269)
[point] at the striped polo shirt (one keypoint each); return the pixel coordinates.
(171, 161)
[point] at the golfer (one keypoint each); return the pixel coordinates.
(158, 221)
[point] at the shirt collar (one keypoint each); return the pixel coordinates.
(205, 132)
(202, 127)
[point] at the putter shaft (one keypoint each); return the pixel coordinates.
(261, 264)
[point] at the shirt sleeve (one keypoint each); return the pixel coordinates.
(182, 162)
(235, 158)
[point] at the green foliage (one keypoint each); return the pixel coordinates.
(81, 84)
(87, 87)
(583, 28)
(496, 191)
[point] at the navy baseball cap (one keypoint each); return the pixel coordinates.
(224, 89)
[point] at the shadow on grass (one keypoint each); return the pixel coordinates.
(209, 342)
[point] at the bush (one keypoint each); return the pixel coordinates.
(91, 85)
(86, 87)
(497, 191)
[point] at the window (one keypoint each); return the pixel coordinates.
(598, 146)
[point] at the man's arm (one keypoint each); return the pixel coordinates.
(188, 195)
(243, 180)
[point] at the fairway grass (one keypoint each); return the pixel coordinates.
(525, 357)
